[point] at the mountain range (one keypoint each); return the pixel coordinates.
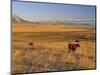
(17, 19)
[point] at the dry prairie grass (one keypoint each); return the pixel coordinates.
(49, 51)
(46, 28)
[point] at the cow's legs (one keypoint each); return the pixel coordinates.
(69, 49)
(73, 50)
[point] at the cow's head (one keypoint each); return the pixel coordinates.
(77, 41)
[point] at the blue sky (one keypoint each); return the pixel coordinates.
(53, 12)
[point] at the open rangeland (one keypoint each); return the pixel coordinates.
(41, 48)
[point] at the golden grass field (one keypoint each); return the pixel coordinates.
(49, 51)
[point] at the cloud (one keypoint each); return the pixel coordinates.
(80, 19)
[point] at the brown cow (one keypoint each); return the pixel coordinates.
(72, 47)
(30, 43)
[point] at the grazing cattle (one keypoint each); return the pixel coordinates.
(72, 47)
